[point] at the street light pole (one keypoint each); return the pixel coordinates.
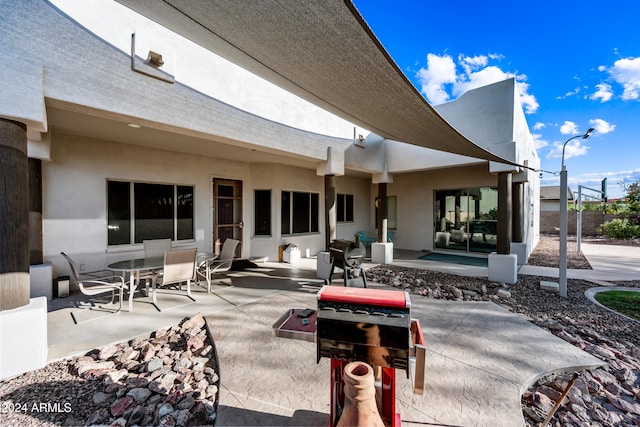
(564, 220)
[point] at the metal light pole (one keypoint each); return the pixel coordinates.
(564, 220)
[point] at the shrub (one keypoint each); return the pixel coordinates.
(620, 229)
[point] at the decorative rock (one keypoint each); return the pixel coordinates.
(503, 293)
(164, 409)
(154, 364)
(196, 321)
(120, 422)
(163, 384)
(93, 365)
(139, 394)
(182, 417)
(137, 415)
(119, 406)
(99, 398)
(98, 417)
(115, 376)
(187, 402)
(195, 342)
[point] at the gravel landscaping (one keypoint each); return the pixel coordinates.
(167, 379)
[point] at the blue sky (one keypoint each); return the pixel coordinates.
(577, 65)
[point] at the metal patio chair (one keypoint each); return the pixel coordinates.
(179, 267)
(220, 265)
(94, 283)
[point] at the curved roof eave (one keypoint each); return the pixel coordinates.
(322, 51)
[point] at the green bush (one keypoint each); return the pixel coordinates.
(620, 229)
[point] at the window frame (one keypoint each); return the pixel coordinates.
(179, 195)
(345, 208)
(288, 220)
(268, 232)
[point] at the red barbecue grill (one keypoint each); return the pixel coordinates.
(372, 326)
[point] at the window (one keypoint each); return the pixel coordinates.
(345, 208)
(262, 212)
(140, 211)
(300, 212)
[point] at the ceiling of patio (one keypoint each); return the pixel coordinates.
(115, 129)
(320, 50)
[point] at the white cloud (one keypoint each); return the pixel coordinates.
(573, 148)
(475, 79)
(471, 63)
(569, 94)
(569, 128)
(627, 73)
(604, 92)
(441, 71)
(539, 125)
(538, 142)
(528, 101)
(602, 126)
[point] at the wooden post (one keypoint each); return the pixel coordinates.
(14, 216)
(331, 218)
(503, 246)
(518, 212)
(35, 212)
(382, 211)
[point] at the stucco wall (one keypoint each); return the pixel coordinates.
(74, 198)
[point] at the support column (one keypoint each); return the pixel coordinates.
(518, 212)
(35, 212)
(330, 210)
(14, 216)
(504, 213)
(382, 211)
(503, 265)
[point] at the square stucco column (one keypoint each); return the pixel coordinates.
(382, 253)
(23, 338)
(503, 268)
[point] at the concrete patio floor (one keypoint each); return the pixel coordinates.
(480, 357)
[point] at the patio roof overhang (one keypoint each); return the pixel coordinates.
(322, 51)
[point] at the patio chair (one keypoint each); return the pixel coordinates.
(220, 265)
(94, 283)
(179, 267)
(153, 248)
(365, 240)
(156, 247)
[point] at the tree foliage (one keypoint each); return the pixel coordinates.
(628, 226)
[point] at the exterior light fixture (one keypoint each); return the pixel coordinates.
(155, 59)
(134, 125)
(562, 285)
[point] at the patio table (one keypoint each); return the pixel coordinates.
(134, 267)
(206, 258)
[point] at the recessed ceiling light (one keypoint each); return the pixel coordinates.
(133, 125)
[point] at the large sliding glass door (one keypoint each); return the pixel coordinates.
(466, 219)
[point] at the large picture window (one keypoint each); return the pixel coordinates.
(344, 208)
(300, 212)
(141, 211)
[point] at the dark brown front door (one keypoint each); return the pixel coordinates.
(227, 211)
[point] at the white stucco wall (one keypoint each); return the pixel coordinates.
(74, 192)
(75, 206)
